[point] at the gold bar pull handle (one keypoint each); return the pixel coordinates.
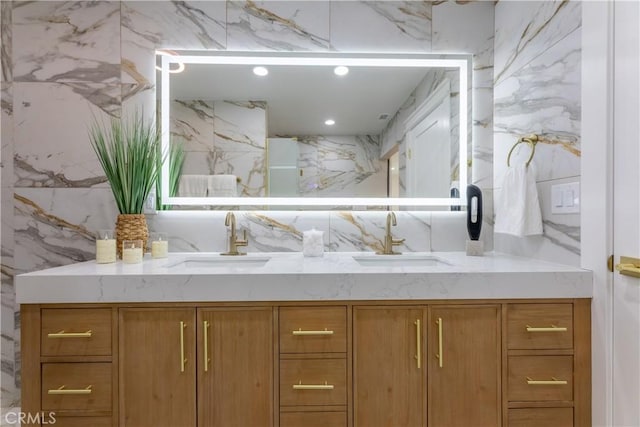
(206, 346)
(301, 332)
(63, 334)
(418, 355)
(440, 356)
(629, 266)
(63, 390)
(553, 381)
(183, 361)
(552, 328)
(301, 386)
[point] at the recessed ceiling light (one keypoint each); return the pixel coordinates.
(341, 70)
(260, 71)
(329, 122)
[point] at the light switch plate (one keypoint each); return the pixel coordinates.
(565, 198)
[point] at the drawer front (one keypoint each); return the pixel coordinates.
(83, 422)
(536, 417)
(305, 374)
(87, 386)
(540, 326)
(313, 329)
(76, 332)
(313, 419)
(528, 377)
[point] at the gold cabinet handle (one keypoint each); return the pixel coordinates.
(324, 386)
(63, 334)
(183, 361)
(440, 356)
(629, 266)
(418, 355)
(301, 332)
(552, 381)
(206, 346)
(63, 390)
(552, 328)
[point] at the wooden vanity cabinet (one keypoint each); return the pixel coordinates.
(444, 371)
(516, 363)
(185, 367)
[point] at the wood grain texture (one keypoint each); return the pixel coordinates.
(30, 346)
(539, 315)
(582, 363)
(540, 417)
(237, 388)
(313, 371)
(98, 321)
(153, 391)
(83, 422)
(313, 319)
(313, 419)
(77, 376)
(540, 368)
(465, 391)
(389, 388)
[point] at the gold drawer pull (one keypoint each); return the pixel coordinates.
(553, 381)
(301, 332)
(324, 386)
(63, 334)
(552, 328)
(63, 390)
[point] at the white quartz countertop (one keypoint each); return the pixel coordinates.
(292, 277)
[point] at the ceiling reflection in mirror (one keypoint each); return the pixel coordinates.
(294, 130)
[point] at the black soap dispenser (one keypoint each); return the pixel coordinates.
(474, 221)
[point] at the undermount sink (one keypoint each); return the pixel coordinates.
(221, 261)
(399, 260)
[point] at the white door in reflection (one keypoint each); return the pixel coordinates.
(283, 167)
(429, 153)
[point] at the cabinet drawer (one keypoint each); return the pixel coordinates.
(540, 326)
(528, 377)
(76, 332)
(536, 417)
(87, 385)
(313, 329)
(312, 379)
(83, 422)
(313, 419)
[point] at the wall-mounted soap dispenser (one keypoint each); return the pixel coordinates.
(475, 247)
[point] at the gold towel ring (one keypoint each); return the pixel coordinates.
(531, 140)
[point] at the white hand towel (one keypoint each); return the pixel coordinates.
(193, 186)
(223, 186)
(518, 207)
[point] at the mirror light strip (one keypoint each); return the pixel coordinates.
(382, 61)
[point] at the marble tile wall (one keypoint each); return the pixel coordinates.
(66, 63)
(537, 90)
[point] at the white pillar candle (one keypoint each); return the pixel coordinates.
(159, 249)
(132, 251)
(105, 251)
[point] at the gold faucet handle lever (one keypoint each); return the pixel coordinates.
(397, 241)
(244, 241)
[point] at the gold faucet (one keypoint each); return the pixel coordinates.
(234, 242)
(389, 241)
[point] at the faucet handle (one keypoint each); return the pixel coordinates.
(397, 242)
(244, 241)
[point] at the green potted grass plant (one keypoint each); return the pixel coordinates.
(129, 153)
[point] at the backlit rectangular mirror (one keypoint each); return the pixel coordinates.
(316, 130)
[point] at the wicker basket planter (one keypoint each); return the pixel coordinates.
(131, 227)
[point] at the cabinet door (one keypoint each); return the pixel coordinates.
(389, 384)
(464, 366)
(157, 376)
(235, 381)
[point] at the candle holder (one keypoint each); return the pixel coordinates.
(105, 247)
(159, 245)
(132, 251)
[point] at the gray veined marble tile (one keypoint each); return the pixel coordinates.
(151, 25)
(50, 230)
(528, 29)
(6, 136)
(6, 32)
(377, 26)
(192, 124)
(66, 41)
(239, 125)
(51, 146)
(278, 25)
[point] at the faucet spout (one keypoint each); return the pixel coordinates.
(389, 241)
(234, 242)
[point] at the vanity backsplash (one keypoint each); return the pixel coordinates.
(344, 231)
